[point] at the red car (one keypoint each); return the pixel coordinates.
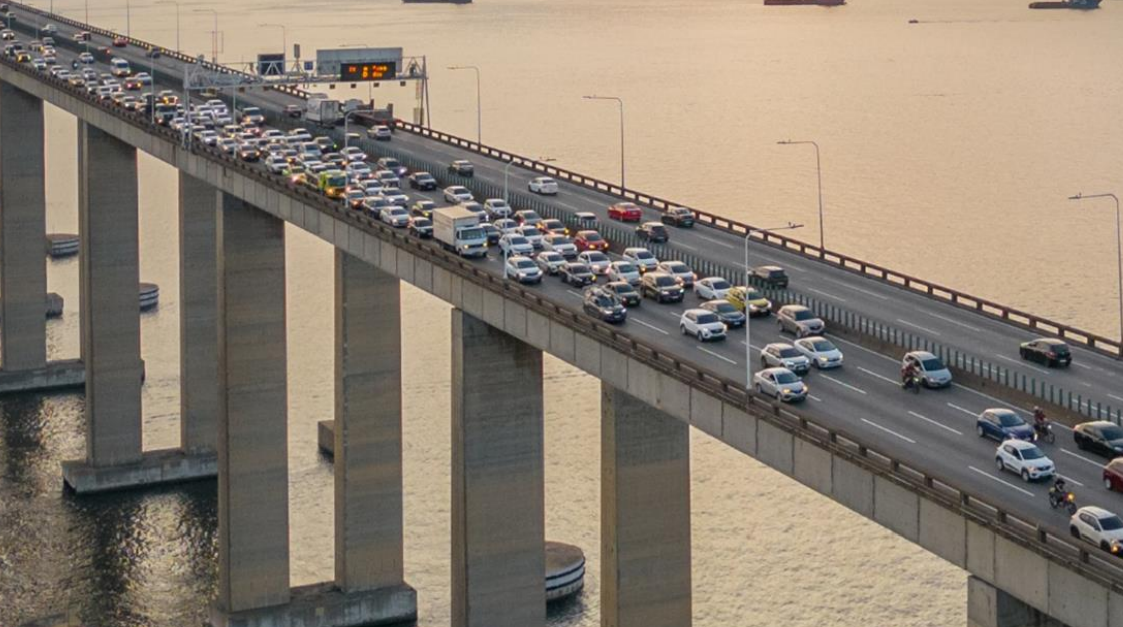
(1113, 475)
(120, 42)
(590, 240)
(625, 212)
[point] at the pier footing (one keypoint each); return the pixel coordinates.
(324, 605)
(57, 375)
(154, 468)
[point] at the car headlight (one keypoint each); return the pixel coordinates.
(823, 360)
(786, 392)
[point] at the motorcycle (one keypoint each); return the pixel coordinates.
(1044, 432)
(912, 384)
(1065, 500)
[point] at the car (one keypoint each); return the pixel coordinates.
(821, 352)
(597, 261)
(933, 373)
(624, 271)
(82, 36)
(549, 261)
(248, 153)
(702, 324)
(625, 212)
(1097, 526)
(393, 165)
(553, 226)
(120, 41)
(662, 287)
(375, 204)
(389, 180)
(781, 384)
(395, 216)
(497, 208)
(642, 258)
(533, 235)
(253, 116)
(39, 64)
(653, 232)
(523, 269)
(76, 81)
(527, 217)
(86, 58)
(543, 185)
(625, 292)
(7, 35)
(1048, 351)
(604, 305)
(1113, 475)
(515, 244)
(1100, 437)
(506, 225)
(726, 312)
(1024, 459)
(293, 111)
(478, 209)
(585, 220)
(424, 209)
(783, 355)
(576, 274)
(396, 198)
(772, 276)
(560, 244)
(712, 287)
(354, 198)
(380, 132)
(457, 194)
(353, 153)
(493, 234)
(680, 271)
(678, 216)
(1002, 424)
(590, 240)
(741, 296)
(799, 320)
(421, 227)
(462, 167)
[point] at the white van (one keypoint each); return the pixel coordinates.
(119, 67)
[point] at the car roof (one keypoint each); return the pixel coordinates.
(769, 268)
(696, 311)
(1052, 341)
(795, 308)
(775, 369)
(1098, 512)
(779, 345)
(920, 355)
(1020, 444)
(1000, 411)
(1095, 423)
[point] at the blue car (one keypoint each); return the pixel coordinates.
(1003, 424)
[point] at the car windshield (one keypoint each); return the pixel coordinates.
(932, 364)
(822, 346)
(337, 181)
(665, 281)
(789, 352)
(724, 307)
(707, 318)
(775, 274)
(720, 284)
(1060, 349)
(625, 267)
(1111, 523)
(1112, 432)
(592, 237)
(398, 211)
(578, 268)
(596, 257)
(603, 300)
(677, 268)
(802, 314)
(622, 288)
(471, 233)
(550, 257)
(1010, 420)
(391, 163)
(419, 222)
(1032, 452)
(530, 215)
(752, 294)
(786, 377)
(643, 254)
(519, 240)
(524, 263)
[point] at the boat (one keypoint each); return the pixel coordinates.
(1066, 4)
(821, 3)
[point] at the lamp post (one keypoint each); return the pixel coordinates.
(507, 171)
(748, 327)
(346, 120)
(819, 173)
(176, 3)
(1118, 249)
(479, 109)
(214, 34)
(621, 103)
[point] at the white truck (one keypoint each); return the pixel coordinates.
(458, 229)
(323, 110)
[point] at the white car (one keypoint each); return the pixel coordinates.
(506, 225)
(457, 194)
(388, 179)
(395, 216)
(515, 244)
(642, 258)
(372, 187)
(533, 235)
(208, 137)
(561, 244)
(550, 262)
(1097, 526)
(597, 261)
(679, 270)
(543, 185)
(783, 355)
(933, 373)
(523, 269)
(712, 288)
(354, 154)
(396, 198)
(380, 132)
(86, 58)
(781, 384)
(702, 324)
(624, 271)
(822, 353)
(1025, 459)
(497, 208)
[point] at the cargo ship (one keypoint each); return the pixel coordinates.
(788, 3)
(1066, 4)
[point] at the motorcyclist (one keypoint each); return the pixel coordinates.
(1039, 419)
(908, 374)
(1059, 489)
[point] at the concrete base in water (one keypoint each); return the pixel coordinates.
(323, 605)
(61, 245)
(58, 375)
(149, 296)
(155, 468)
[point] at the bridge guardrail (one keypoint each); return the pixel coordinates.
(1098, 567)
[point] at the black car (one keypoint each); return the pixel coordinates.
(421, 227)
(493, 233)
(249, 153)
(653, 232)
(1048, 351)
(293, 111)
(1101, 437)
(460, 167)
(393, 165)
(423, 181)
(726, 311)
(577, 274)
(625, 292)
(603, 304)
(678, 216)
(661, 286)
(773, 276)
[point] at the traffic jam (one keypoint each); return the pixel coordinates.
(659, 298)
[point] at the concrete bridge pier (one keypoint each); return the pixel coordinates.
(645, 514)
(199, 206)
(988, 606)
(109, 274)
(23, 269)
(498, 499)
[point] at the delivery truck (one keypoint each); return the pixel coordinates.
(458, 229)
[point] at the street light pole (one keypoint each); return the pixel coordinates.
(479, 109)
(1118, 248)
(346, 121)
(748, 327)
(507, 171)
(621, 103)
(819, 174)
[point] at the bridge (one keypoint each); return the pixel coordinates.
(910, 463)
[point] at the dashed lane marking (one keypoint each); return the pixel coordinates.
(1002, 481)
(827, 294)
(843, 384)
(938, 424)
(721, 357)
(649, 325)
(856, 289)
(889, 431)
(718, 242)
(962, 409)
(883, 378)
(953, 321)
(917, 326)
(1022, 363)
(1070, 480)
(863, 348)
(1082, 458)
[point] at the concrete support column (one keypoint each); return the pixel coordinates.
(498, 521)
(645, 515)
(988, 606)
(198, 316)
(23, 231)
(253, 500)
(109, 276)
(368, 426)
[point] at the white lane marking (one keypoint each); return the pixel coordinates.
(1070, 480)
(889, 431)
(856, 289)
(815, 398)
(986, 396)
(721, 357)
(577, 294)
(675, 315)
(649, 325)
(964, 410)
(719, 243)
(786, 267)
(1087, 385)
(883, 378)
(1002, 481)
(686, 247)
(938, 424)
(755, 347)
(1084, 366)
(845, 385)
(827, 294)
(1118, 398)
(953, 321)
(1021, 363)
(917, 326)
(863, 348)
(1082, 458)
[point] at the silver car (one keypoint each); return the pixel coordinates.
(642, 257)
(533, 235)
(550, 262)
(933, 373)
(799, 320)
(561, 244)
(822, 353)
(597, 261)
(624, 271)
(783, 355)
(781, 384)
